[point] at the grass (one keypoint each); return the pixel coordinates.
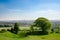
(45, 37)
(11, 36)
(24, 28)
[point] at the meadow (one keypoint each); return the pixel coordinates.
(10, 36)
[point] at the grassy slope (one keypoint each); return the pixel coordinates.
(46, 37)
(10, 36)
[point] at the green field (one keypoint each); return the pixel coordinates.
(11, 36)
(21, 28)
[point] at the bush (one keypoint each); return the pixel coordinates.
(12, 30)
(9, 30)
(52, 30)
(57, 32)
(23, 33)
(3, 30)
(39, 33)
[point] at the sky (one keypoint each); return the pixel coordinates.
(29, 9)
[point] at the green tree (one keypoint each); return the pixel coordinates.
(16, 27)
(52, 30)
(43, 23)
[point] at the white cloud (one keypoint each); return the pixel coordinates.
(50, 14)
(17, 14)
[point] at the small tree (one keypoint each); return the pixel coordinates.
(16, 28)
(52, 30)
(32, 29)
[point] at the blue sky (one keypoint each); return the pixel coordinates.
(29, 9)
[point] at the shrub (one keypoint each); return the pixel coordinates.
(39, 33)
(23, 33)
(52, 30)
(3, 30)
(57, 32)
(12, 30)
(8, 30)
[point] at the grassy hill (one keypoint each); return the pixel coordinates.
(11, 36)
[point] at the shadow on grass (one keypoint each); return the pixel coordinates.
(37, 33)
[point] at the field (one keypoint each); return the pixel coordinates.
(10, 36)
(22, 28)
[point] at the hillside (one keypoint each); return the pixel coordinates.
(10, 36)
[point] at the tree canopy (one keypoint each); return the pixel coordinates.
(43, 23)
